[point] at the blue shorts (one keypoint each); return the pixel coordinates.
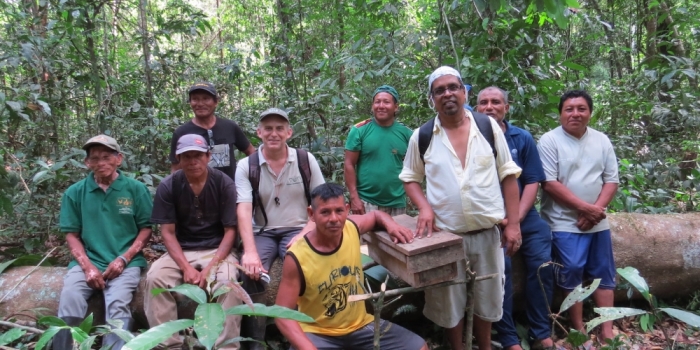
(583, 256)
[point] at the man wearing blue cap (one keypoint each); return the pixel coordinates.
(222, 135)
(471, 183)
(374, 154)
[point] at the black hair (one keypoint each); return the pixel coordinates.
(575, 94)
(325, 192)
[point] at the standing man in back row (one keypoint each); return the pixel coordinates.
(466, 164)
(374, 154)
(581, 180)
(221, 134)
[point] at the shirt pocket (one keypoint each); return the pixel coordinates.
(484, 170)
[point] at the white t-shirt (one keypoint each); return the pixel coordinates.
(583, 166)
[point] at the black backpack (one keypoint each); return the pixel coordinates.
(483, 122)
(254, 177)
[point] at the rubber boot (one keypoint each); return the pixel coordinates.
(254, 327)
(114, 341)
(63, 340)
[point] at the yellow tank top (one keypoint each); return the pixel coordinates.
(327, 281)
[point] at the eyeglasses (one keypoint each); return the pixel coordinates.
(197, 210)
(95, 160)
(451, 88)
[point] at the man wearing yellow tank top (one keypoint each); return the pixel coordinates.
(324, 268)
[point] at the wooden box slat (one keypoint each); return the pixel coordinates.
(421, 263)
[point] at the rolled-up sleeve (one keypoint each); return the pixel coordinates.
(504, 163)
(413, 166)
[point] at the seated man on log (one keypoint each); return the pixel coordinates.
(106, 220)
(324, 267)
(581, 179)
(196, 210)
(374, 154)
(536, 248)
(274, 183)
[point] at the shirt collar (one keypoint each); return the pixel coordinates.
(291, 154)
(116, 185)
(437, 128)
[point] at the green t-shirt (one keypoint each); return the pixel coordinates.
(107, 222)
(381, 159)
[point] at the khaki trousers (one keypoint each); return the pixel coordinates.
(164, 273)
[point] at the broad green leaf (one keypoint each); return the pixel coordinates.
(574, 66)
(578, 294)
(44, 106)
(576, 338)
(40, 175)
(11, 335)
(52, 321)
(209, 323)
(16, 106)
(269, 311)
(78, 334)
(154, 336)
(610, 314)
(688, 317)
(46, 337)
(124, 334)
(238, 340)
(86, 325)
(222, 290)
(191, 291)
(87, 343)
(632, 276)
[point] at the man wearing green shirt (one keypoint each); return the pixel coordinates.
(374, 153)
(106, 218)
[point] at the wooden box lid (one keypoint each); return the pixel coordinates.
(438, 240)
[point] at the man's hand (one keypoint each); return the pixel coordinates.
(204, 276)
(93, 277)
(356, 206)
(510, 237)
(583, 223)
(426, 221)
(191, 276)
(399, 234)
(114, 269)
(252, 265)
(592, 213)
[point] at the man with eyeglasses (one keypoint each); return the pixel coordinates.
(106, 220)
(222, 135)
(196, 210)
(464, 174)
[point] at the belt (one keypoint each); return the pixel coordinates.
(477, 231)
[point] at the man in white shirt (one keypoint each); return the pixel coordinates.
(464, 175)
(581, 178)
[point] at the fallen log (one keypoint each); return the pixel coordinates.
(664, 248)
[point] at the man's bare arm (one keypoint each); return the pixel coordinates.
(527, 199)
(426, 216)
(117, 266)
(93, 277)
(221, 253)
(511, 232)
(380, 220)
(287, 295)
(189, 273)
(248, 151)
(250, 259)
(564, 196)
(351, 158)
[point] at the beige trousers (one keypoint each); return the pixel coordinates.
(391, 211)
(164, 273)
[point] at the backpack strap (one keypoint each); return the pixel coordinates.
(254, 177)
(305, 171)
(483, 123)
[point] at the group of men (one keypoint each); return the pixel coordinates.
(482, 177)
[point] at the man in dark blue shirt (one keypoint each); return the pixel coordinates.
(536, 247)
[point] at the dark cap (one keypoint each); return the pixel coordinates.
(274, 111)
(103, 140)
(204, 86)
(191, 142)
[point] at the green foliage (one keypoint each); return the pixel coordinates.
(11, 335)
(578, 295)
(26, 260)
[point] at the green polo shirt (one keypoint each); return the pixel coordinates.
(107, 222)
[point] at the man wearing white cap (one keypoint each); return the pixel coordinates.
(464, 165)
(106, 218)
(196, 210)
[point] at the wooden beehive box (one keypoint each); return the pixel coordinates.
(423, 262)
